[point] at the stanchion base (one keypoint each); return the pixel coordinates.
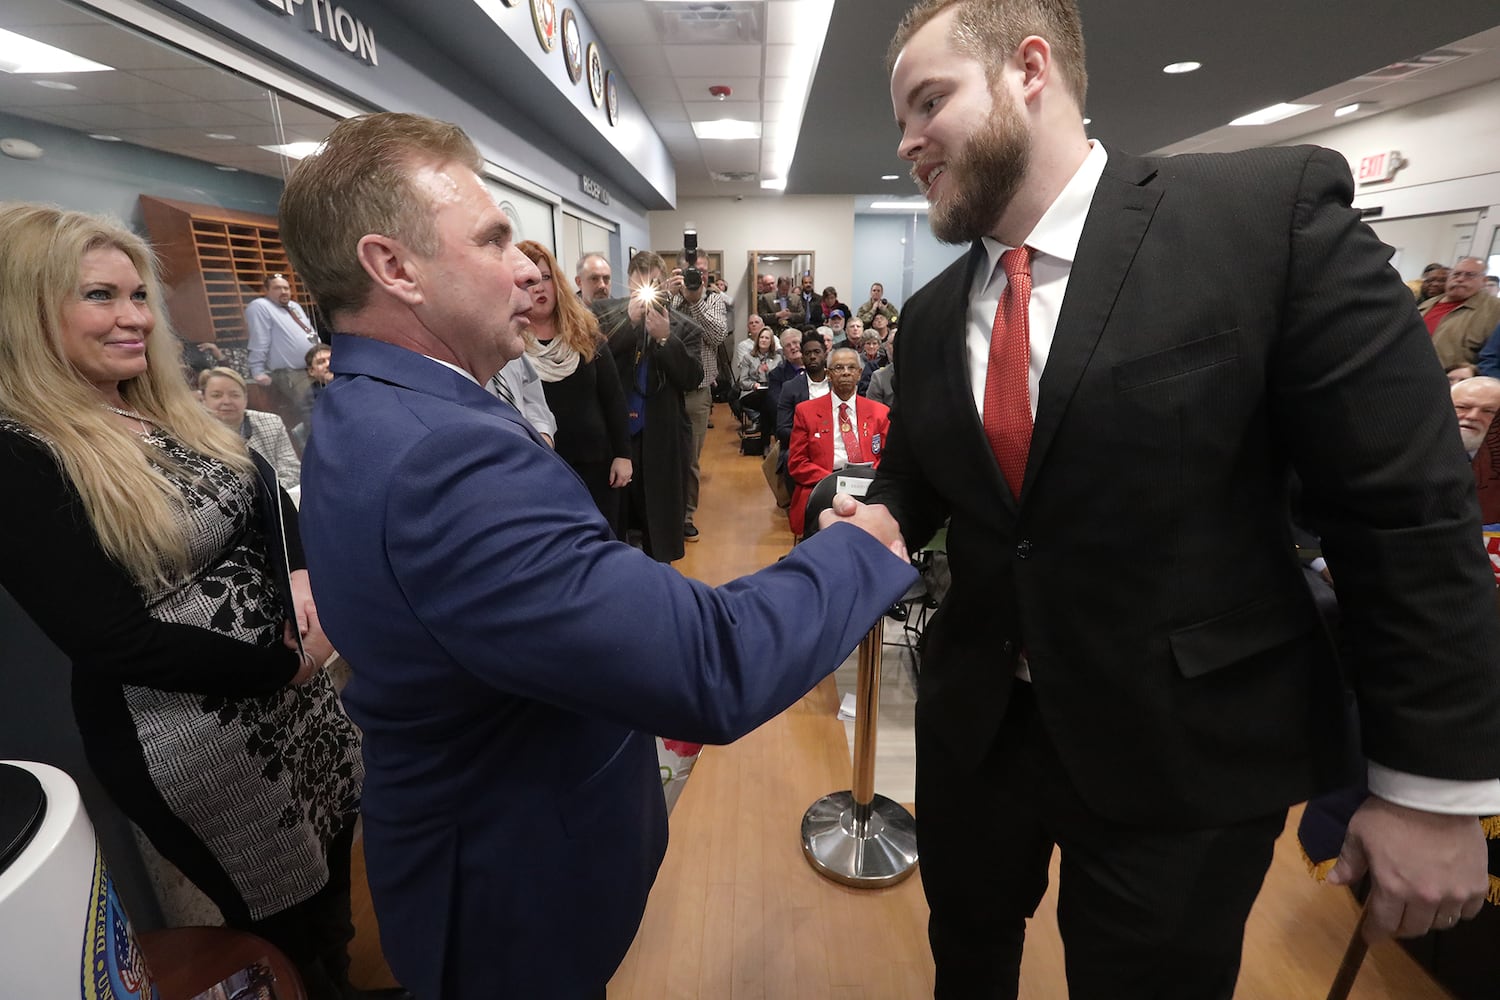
(884, 855)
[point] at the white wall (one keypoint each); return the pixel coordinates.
(1452, 146)
(822, 224)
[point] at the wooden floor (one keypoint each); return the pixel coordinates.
(737, 914)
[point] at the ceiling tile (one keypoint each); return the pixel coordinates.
(638, 61)
(783, 25)
(206, 84)
(621, 23)
(710, 111)
(781, 60)
(113, 46)
(713, 60)
(695, 88)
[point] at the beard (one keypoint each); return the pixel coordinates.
(982, 178)
(1472, 439)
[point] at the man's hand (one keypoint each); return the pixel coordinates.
(657, 327)
(619, 473)
(1428, 870)
(263, 379)
(874, 518)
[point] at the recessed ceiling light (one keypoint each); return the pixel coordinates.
(19, 54)
(1088, 121)
(890, 177)
(1182, 67)
(1347, 109)
(727, 128)
(220, 135)
(1275, 113)
(902, 206)
(773, 184)
(294, 150)
(227, 170)
(104, 138)
(55, 84)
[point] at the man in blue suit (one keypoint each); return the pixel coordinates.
(510, 658)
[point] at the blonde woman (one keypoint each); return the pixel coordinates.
(225, 396)
(582, 386)
(131, 532)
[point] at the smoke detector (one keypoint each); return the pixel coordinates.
(720, 91)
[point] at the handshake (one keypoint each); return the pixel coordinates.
(874, 518)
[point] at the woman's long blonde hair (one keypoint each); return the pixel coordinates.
(131, 505)
(576, 324)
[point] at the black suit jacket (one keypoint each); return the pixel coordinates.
(1228, 317)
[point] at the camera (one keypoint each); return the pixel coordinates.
(692, 278)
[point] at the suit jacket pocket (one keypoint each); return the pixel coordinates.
(1231, 638)
(1183, 359)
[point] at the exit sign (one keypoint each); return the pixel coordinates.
(1379, 167)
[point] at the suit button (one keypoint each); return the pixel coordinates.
(1023, 549)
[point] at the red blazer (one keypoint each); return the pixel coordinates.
(810, 453)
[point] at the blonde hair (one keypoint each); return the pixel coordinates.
(229, 373)
(358, 183)
(131, 504)
(990, 30)
(576, 323)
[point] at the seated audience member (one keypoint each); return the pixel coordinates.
(882, 387)
(881, 327)
(135, 532)
(1457, 373)
(836, 324)
(225, 397)
(831, 302)
(832, 431)
(1488, 362)
(753, 369)
(811, 384)
(827, 336)
(854, 332)
(789, 369)
(1475, 403)
(1434, 278)
(318, 376)
(878, 304)
(753, 326)
(511, 656)
(872, 358)
(1462, 319)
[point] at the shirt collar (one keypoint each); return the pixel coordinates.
(445, 364)
(1060, 228)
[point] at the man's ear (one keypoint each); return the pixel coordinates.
(391, 268)
(1034, 57)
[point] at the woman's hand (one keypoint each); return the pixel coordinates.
(316, 648)
(620, 472)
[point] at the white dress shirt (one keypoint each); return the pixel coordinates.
(1054, 243)
(840, 453)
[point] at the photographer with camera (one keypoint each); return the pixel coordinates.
(695, 298)
(878, 304)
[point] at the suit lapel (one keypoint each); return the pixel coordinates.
(1112, 233)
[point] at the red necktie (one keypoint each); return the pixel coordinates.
(1007, 392)
(852, 453)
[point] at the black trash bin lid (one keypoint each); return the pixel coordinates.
(22, 806)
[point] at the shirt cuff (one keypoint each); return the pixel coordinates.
(1318, 564)
(1435, 795)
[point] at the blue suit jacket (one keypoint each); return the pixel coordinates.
(510, 659)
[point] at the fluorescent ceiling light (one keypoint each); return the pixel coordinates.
(55, 84)
(228, 170)
(900, 206)
(773, 184)
(19, 54)
(812, 30)
(1347, 109)
(1088, 121)
(294, 150)
(890, 177)
(1275, 113)
(769, 257)
(727, 128)
(104, 138)
(221, 136)
(1182, 67)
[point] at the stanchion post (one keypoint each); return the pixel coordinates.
(858, 838)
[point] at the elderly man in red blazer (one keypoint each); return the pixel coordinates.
(834, 430)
